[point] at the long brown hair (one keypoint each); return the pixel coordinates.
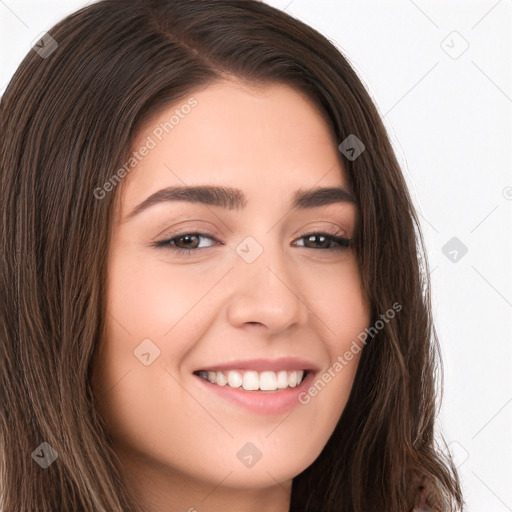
(68, 119)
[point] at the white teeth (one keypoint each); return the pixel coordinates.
(234, 379)
(282, 380)
(268, 381)
(251, 380)
(221, 379)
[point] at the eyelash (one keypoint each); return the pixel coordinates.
(343, 243)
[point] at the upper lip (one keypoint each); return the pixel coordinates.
(283, 363)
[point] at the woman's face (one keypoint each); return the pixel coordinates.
(257, 295)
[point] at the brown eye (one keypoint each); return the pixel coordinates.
(190, 241)
(325, 241)
(184, 243)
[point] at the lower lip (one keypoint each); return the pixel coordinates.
(262, 402)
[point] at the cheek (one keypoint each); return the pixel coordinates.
(141, 297)
(343, 313)
(152, 298)
(336, 298)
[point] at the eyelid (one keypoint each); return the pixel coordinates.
(331, 230)
(186, 229)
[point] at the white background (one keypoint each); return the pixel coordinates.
(449, 115)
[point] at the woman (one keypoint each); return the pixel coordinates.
(289, 363)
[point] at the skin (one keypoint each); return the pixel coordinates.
(178, 441)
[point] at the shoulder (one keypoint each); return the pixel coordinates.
(426, 500)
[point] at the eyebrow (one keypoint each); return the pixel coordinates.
(234, 199)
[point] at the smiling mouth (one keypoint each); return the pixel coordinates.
(251, 380)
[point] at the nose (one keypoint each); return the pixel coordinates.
(266, 293)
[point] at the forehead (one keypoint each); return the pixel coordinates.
(266, 140)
